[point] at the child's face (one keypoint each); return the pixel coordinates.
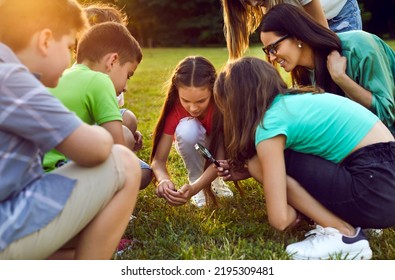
(57, 59)
(120, 74)
(195, 100)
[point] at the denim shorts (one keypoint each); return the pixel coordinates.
(360, 190)
(349, 18)
(144, 165)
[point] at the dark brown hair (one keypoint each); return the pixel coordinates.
(105, 38)
(244, 91)
(303, 27)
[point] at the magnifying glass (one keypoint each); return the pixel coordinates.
(206, 154)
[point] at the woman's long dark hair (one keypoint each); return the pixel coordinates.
(288, 19)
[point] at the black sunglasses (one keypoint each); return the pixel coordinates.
(272, 48)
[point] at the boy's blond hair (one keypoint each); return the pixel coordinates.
(105, 38)
(99, 13)
(21, 19)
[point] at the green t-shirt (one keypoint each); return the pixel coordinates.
(371, 63)
(91, 95)
(325, 125)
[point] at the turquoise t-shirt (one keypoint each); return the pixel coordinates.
(371, 63)
(326, 125)
(91, 95)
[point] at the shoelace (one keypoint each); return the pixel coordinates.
(320, 233)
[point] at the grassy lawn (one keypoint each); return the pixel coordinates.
(238, 229)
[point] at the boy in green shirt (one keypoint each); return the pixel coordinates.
(107, 56)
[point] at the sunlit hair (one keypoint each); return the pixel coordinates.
(100, 12)
(21, 19)
(192, 71)
(105, 38)
(241, 20)
(303, 27)
(243, 92)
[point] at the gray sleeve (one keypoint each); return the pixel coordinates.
(28, 110)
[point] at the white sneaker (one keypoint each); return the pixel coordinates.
(220, 188)
(199, 200)
(325, 243)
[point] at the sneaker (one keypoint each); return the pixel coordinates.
(199, 200)
(124, 245)
(220, 188)
(326, 243)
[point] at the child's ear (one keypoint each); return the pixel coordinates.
(44, 41)
(111, 59)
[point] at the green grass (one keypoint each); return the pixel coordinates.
(236, 230)
(391, 43)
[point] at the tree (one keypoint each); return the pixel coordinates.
(174, 22)
(200, 22)
(379, 17)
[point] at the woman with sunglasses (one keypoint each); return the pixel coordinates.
(354, 64)
(242, 18)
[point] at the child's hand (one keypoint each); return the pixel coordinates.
(180, 197)
(163, 186)
(228, 174)
(139, 141)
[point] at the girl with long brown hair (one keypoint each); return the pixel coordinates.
(189, 116)
(320, 154)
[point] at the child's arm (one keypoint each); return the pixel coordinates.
(182, 196)
(87, 145)
(314, 8)
(283, 194)
(271, 156)
(158, 165)
(116, 131)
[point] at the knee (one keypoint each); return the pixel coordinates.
(129, 164)
(189, 131)
(129, 120)
(130, 141)
(146, 178)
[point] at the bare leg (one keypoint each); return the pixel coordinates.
(146, 178)
(63, 254)
(130, 121)
(129, 138)
(302, 201)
